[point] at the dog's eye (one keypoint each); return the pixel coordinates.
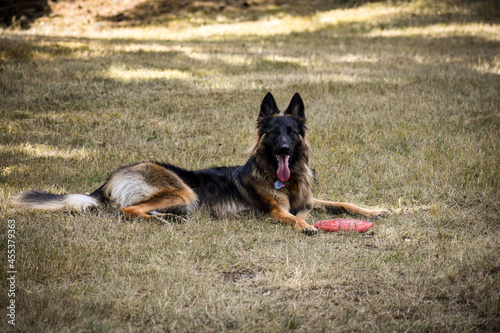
(276, 131)
(291, 131)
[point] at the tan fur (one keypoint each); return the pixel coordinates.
(346, 208)
(163, 199)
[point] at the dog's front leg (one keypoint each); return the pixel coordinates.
(344, 207)
(289, 219)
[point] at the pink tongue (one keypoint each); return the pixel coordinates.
(283, 172)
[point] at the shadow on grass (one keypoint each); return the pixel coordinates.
(147, 12)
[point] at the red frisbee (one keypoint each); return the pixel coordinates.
(343, 225)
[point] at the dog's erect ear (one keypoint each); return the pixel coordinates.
(267, 108)
(296, 109)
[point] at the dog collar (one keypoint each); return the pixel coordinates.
(279, 184)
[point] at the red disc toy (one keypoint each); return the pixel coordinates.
(343, 225)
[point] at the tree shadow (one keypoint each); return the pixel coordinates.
(153, 11)
(22, 13)
(159, 12)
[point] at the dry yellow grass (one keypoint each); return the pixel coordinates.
(403, 111)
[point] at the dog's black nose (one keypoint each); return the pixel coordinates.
(284, 149)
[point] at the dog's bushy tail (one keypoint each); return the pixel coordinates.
(55, 202)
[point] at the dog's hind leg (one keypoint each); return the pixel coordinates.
(141, 190)
(344, 207)
(162, 200)
(167, 216)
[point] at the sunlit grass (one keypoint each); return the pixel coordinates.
(368, 13)
(487, 31)
(125, 75)
(41, 150)
(491, 67)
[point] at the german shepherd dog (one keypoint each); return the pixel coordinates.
(275, 180)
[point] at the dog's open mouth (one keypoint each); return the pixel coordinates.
(283, 172)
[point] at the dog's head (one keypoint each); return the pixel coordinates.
(281, 136)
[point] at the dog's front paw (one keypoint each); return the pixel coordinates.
(310, 230)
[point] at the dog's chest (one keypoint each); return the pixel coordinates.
(299, 195)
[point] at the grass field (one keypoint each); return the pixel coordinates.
(403, 109)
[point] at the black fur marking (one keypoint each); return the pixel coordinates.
(268, 109)
(296, 109)
(40, 196)
(99, 194)
(213, 186)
